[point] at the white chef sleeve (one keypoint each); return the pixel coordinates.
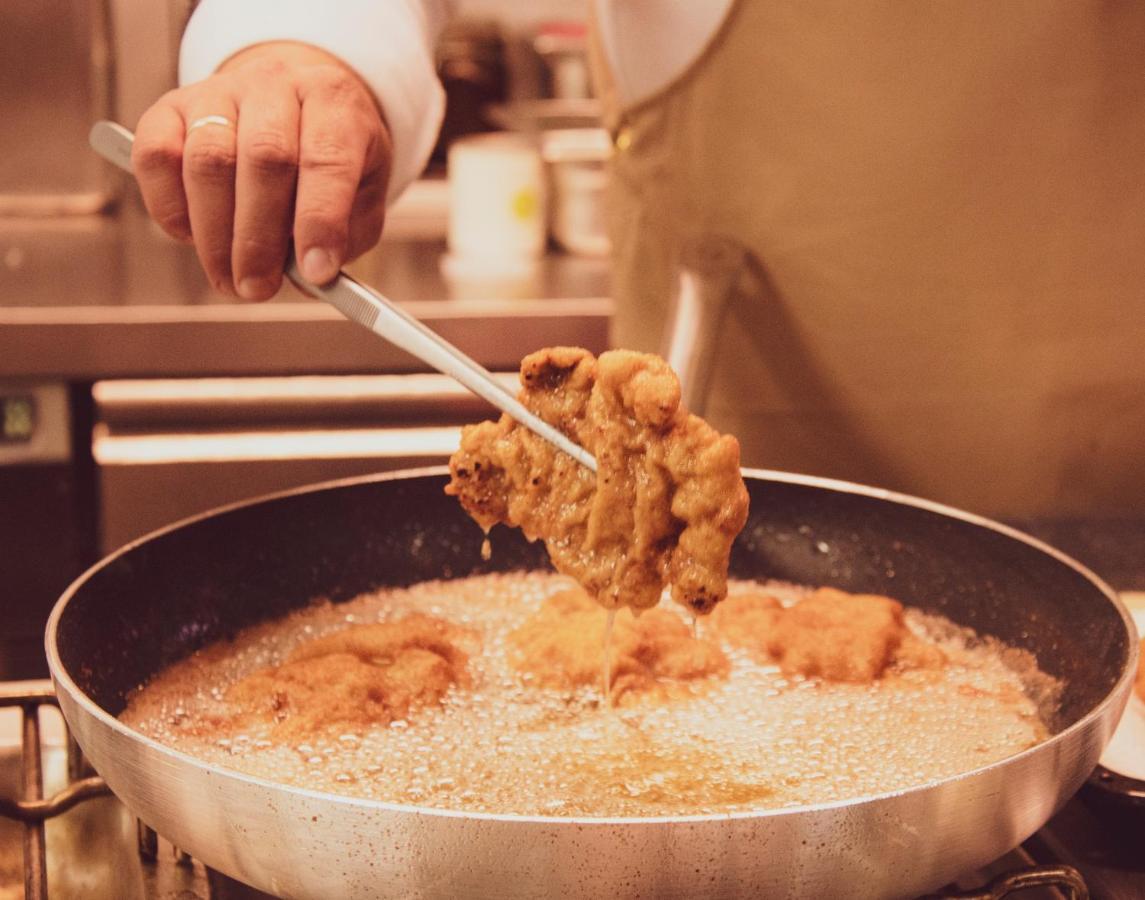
(390, 43)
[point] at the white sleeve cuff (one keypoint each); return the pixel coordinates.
(389, 43)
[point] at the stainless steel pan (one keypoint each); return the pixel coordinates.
(162, 597)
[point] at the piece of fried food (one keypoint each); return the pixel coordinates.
(1140, 684)
(361, 676)
(743, 620)
(838, 636)
(829, 634)
(381, 643)
(666, 502)
(652, 655)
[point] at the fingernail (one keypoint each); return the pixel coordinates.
(254, 288)
(318, 265)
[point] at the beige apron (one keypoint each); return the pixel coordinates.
(948, 202)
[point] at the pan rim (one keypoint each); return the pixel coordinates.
(1118, 693)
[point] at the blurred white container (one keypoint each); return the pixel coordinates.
(576, 159)
(497, 203)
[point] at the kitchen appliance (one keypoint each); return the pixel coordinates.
(46, 513)
(161, 598)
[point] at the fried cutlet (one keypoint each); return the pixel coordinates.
(828, 634)
(663, 508)
(1140, 685)
(653, 655)
(360, 676)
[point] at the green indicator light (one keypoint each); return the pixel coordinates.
(18, 420)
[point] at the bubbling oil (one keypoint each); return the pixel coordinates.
(755, 740)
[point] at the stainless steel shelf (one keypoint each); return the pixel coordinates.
(100, 297)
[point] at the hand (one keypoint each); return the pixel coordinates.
(307, 156)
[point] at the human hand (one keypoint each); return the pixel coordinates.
(282, 142)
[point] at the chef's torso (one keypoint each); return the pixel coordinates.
(947, 203)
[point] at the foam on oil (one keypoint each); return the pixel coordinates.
(755, 740)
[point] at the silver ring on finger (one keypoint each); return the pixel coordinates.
(203, 121)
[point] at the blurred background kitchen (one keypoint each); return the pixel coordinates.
(131, 395)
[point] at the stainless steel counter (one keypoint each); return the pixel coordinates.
(93, 297)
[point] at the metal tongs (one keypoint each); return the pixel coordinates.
(382, 316)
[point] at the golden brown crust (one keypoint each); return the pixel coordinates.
(381, 643)
(829, 634)
(914, 653)
(745, 619)
(838, 636)
(1140, 685)
(351, 679)
(664, 507)
(653, 655)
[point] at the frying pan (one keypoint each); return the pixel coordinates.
(157, 600)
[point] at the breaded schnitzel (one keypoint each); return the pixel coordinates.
(666, 502)
(653, 655)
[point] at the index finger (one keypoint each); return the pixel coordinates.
(333, 146)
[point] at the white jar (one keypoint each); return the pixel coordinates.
(576, 158)
(497, 199)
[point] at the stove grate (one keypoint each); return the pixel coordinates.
(33, 809)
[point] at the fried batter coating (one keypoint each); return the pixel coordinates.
(653, 655)
(829, 634)
(914, 653)
(744, 619)
(838, 636)
(361, 676)
(380, 644)
(1140, 684)
(666, 502)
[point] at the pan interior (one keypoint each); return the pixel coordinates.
(168, 595)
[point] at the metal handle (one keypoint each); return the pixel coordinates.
(382, 316)
(1065, 878)
(1108, 786)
